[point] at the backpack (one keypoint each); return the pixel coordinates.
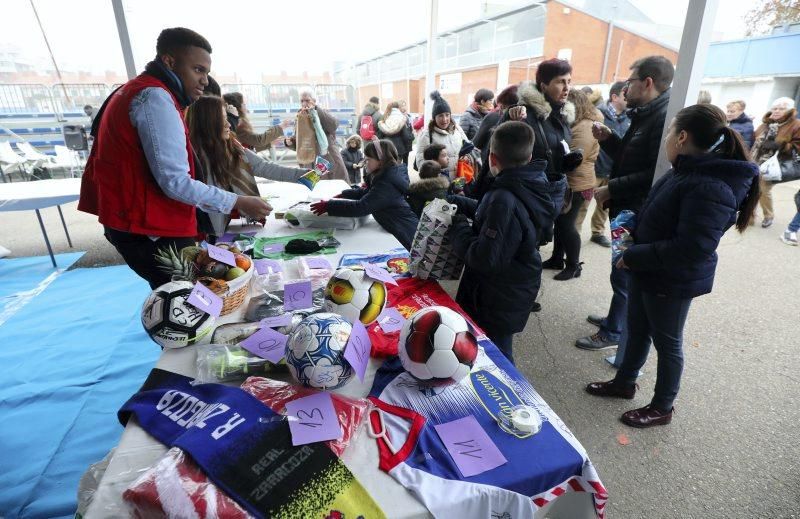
(367, 130)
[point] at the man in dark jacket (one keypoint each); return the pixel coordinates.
(616, 118)
(482, 104)
(739, 121)
(503, 269)
(634, 159)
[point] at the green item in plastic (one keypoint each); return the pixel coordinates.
(324, 237)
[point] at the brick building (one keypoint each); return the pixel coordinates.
(601, 39)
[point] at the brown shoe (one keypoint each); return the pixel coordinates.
(646, 416)
(612, 389)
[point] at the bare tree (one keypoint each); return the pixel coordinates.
(766, 14)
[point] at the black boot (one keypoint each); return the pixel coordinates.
(571, 271)
(553, 264)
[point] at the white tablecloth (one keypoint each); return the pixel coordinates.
(24, 196)
(137, 450)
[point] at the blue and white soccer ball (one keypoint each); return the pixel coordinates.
(315, 351)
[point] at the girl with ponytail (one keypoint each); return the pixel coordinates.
(711, 186)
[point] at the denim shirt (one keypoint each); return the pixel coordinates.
(163, 138)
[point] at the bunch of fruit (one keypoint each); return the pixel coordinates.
(194, 264)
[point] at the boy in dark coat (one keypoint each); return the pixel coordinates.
(503, 269)
(384, 196)
(432, 184)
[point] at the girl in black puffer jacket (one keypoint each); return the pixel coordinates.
(712, 186)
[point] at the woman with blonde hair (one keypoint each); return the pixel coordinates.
(395, 127)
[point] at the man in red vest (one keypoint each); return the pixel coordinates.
(140, 179)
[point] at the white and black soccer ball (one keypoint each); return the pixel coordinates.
(437, 346)
(354, 295)
(172, 322)
(315, 351)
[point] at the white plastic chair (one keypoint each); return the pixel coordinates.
(12, 162)
(66, 158)
(32, 154)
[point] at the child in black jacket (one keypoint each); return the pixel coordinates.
(432, 184)
(353, 159)
(384, 195)
(503, 269)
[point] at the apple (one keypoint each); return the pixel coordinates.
(234, 273)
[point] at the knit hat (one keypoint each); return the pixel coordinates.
(440, 106)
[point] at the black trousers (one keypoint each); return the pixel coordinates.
(139, 251)
(566, 239)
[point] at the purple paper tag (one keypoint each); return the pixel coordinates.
(356, 351)
(469, 446)
(318, 263)
(221, 255)
(313, 419)
(277, 321)
(391, 320)
(273, 247)
(263, 266)
(377, 273)
(297, 295)
(204, 299)
(267, 344)
(230, 237)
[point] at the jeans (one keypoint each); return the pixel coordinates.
(566, 239)
(138, 251)
(613, 326)
(503, 343)
(659, 319)
(794, 225)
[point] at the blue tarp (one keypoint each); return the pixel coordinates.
(71, 357)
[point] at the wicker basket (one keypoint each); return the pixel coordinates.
(237, 292)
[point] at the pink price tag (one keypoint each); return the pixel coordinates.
(277, 321)
(318, 263)
(469, 446)
(204, 299)
(313, 419)
(297, 295)
(377, 273)
(391, 320)
(263, 266)
(267, 344)
(356, 351)
(221, 255)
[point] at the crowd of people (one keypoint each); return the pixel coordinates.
(173, 159)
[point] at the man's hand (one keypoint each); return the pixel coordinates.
(320, 208)
(517, 113)
(602, 195)
(600, 131)
(253, 206)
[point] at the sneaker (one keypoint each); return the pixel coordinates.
(789, 238)
(596, 342)
(766, 222)
(601, 239)
(596, 320)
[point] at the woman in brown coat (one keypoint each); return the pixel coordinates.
(244, 131)
(581, 114)
(779, 133)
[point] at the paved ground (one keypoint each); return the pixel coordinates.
(732, 448)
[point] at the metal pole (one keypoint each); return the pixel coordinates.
(691, 63)
(46, 240)
(50, 51)
(124, 39)
(430, 75)
(608, 44)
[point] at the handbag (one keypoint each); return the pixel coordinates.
(305, 139)
(790, 168)
(771, 169)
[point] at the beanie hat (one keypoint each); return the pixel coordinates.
(440, 106)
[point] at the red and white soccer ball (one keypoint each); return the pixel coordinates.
(437, 346)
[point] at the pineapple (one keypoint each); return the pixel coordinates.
(175, 264)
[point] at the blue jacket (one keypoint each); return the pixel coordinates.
(681, 222)
(503, 269)
(744, 125)
(619, 125)
(385, 199)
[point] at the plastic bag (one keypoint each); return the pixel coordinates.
(89, 483)
(622, 227)
(270, 304)
(301, 215)
(316, 269)
(432, 255)
(219, 363)
(771, 169)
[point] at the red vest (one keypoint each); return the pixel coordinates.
(117, 184)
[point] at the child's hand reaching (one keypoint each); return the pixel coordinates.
(320, 208)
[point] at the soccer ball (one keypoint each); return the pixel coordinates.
(172, 322)
(353, 295)
(437, 346)
(315, 351)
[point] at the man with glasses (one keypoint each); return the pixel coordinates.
(634, 159)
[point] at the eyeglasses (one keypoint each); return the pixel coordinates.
(628, 81)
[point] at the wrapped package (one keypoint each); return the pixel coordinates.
(432, 255)
(301, 215)
(622, 227)
(220, 363)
